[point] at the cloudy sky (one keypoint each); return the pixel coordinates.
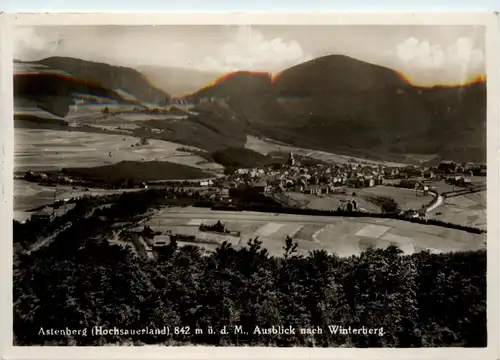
(425, 54)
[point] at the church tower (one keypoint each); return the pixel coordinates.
(291, 159)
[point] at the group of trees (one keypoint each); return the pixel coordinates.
(81, 281)
(233, 158)
(387, 204)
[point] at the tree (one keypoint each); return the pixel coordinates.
(290, 247)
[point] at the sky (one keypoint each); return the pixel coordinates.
(426, 55)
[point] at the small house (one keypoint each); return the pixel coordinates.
(411, 171)
(43, 215)
(391, 172)
(206, 183)
(161, 241)
(313, 190)
(448, 167)
(260, 187)
(428, 174)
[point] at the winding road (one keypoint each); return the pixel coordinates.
(439, 201)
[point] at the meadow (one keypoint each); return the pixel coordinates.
(40, 150)
(469, 210)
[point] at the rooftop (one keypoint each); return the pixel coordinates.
(46, 211)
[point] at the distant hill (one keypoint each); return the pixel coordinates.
(333, 74)
(177, 81)
(250, 95)
(337, 103)
(55, 93)
(55, 82)
(110, 77)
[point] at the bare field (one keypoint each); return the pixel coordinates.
(39, 150)
(477, 201)
(309, 231)
(344, 236)
(469, 210)
(267, 146)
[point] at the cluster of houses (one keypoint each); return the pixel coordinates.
(325, 178)
(317, 179)
(46, 179)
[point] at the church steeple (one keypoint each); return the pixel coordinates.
(291, 159)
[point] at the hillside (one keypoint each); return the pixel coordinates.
(460, 120)
(55, 93)
(53, 84)
(214, 127)
(250, 95)
(111, 77)
(337, 103)
(334, 74)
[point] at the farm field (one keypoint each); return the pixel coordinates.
(344, 236)
(468, 209)
(39, 150)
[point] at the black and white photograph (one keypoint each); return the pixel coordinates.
(301, 185)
